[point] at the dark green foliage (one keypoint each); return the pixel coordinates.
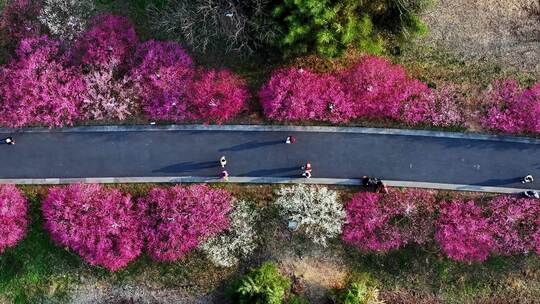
(263, 285)
(399, 17)
(326, 27)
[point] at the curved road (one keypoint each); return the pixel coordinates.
(149, 152)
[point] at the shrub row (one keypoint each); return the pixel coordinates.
(463, 229)
(107, 74)
(373, 88)
(101, 71)
(107, 228)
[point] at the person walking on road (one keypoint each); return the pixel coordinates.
(527, 179)
(290, 140)
(307, 170)
(223, 161)
(9, 140)
(225, 175)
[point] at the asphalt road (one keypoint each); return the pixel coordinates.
(255, 154)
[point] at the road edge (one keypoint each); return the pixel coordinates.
(281, 128)
(255, 180)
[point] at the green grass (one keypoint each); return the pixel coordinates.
(36, 269)
(415, 269)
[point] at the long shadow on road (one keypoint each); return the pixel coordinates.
(251, 145)
(188, 167)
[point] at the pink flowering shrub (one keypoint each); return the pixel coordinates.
(513, 223)
(163, 94)
(298, 94)
(179, 219)
(37, 88)
(379, 89)
(373, 88)
(13, 216)
(438, 107)
(109, 39)
(382, 222)
(19, 20)
(171, 89)
(152, 55)
(464, 232)
(98, 223)
(508, 108)
(216, 96)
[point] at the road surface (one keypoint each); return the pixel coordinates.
(75, 154)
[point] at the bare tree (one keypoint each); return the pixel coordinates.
(239, 26)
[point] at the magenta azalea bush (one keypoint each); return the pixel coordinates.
(441, 107)
(382, 222)
(216, 96)
(153, 55)
(463, 231)
(379, 89)
(513, 224)
(179, 219)
(37, 88)
(98, 223)
(373, 88)
(509, 108)
(13, 216)
(110, 39)
(299, 94)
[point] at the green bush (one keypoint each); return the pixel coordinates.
(264, 285)
(359, 291)
(326, 27)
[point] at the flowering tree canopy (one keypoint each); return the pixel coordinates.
(298, 94)
(109, 39)
(463, 231)
(216, 96)
(238, 241)
(438, 107)
(152, 55)
(171, 89)
(108, 97)
(513, 223)
(509, 108)
(13, 216)
(381, 222)
(65, 19)
(37, 88)
(179, 219)
(379, 89)
(372, 88)
(98, 223)
(316, 210)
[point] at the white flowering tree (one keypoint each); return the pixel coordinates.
(66, 18)
(108, 98)
(236, 242)
(316, 211)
